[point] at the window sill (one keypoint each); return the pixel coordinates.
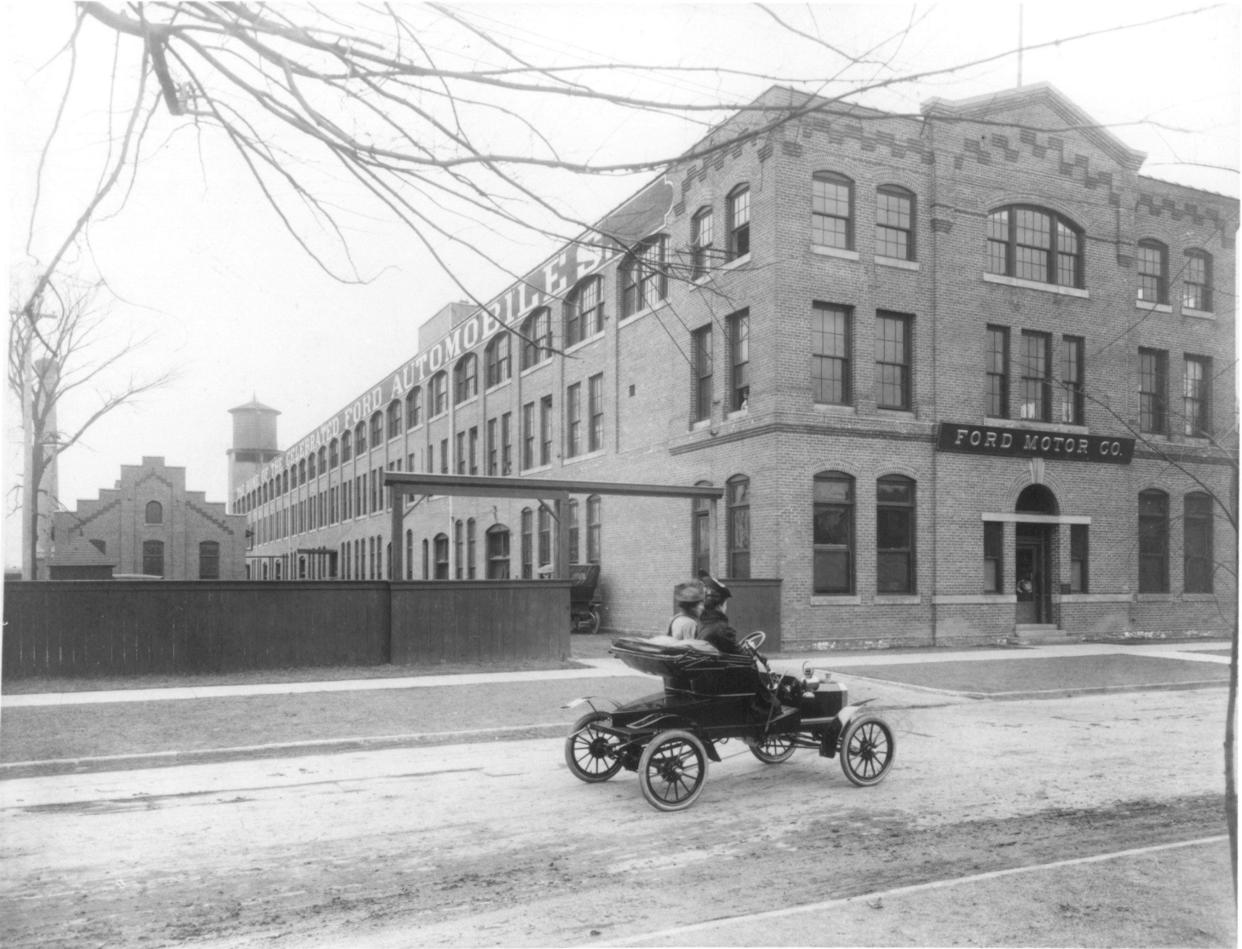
(701, 425)
(737, 413)
(536, 367)
(641, 313)
(1035, 425)
(1198, 314)
(974, 599)
(844, 599)
(1155, 597)
(1036, 285)
(737, 262)
(837, 252)
(1147, 306)
(897, 263)
(537, 468)
(499, 385)
(1199, 597)
(835, 408)
(593, 338)
(466, 401)
(585, 456)
(897, 599)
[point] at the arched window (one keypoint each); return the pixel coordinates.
(1153, 272)
(155, 512)
(894, 535)
(346, 447)
(409, 554)
(832, 210)
(1197, 281)
(438, 394)
(414, 407)
(537, 330)
(377, 428)
(465, 378)
(528, 536)
(310, 467)
(394, 418)
(299, 473)
(833, 533)
(700, 533)
(1032, 243)
(209, 560)
(702, 238)
(894, 222)
(323, 460)
(737, 534)
(1198, 545)
(153, 558)
(426, 560)
(497, 359)
(470, 548)
(737, 221)
(643, 275)
(497, 540)
(584, 310)
(360, 438)
(1153, 541)
(594, 510)
(442, 556)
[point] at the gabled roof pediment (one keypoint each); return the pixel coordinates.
(1007, 105)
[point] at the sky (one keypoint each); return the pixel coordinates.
(202, 273)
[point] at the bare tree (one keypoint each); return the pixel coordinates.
(62, 346)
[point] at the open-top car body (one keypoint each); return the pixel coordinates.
(709, 697)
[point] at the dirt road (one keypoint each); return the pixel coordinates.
(496, 844)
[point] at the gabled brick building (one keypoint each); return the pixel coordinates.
(961, 375)
(150, 525)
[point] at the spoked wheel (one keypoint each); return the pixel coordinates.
(774, 749)
(672, 770)
(867, 750)
(593, 624)
(590, 752)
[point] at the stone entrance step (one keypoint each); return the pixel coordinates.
(1030, 634)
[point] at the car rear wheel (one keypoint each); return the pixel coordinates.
(672, 770)
(591, 752)
(867, 749)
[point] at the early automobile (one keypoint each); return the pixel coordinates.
(711, 697)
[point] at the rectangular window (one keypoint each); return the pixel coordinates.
(595, 406)
(739, 361)
(892, 360)
(830, 354)
(701, 374)
(528, 534)
(444, 456)
(573, 420)
(1196, 282)
(594, 528)
(1153, 542)
(1036, 373)
(545, 538)
(474, 449)
(894, 224)
(894, 535)
(997, 372)
(701, 238)
(1078, 558)
(493, 448)
(833, 535)
(1198, 543)
(1073, 371)
(832, 211)
(506, 444)
(545, 430)
(738, 209)
(575, 545)
(993, 556)
(528, 435)
(431, 458)
(1195, 391)
(1153, 382)
(459, 462)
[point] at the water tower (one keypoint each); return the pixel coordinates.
(254, 443)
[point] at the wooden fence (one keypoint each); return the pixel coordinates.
(96, 628)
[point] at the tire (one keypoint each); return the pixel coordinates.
(594, 623)
(672, 770)
(589, 752)
(774, 749)
(867, 749)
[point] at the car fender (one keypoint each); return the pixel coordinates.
(847, 713)
(594, 701)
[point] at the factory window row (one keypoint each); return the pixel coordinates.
(1154, 277)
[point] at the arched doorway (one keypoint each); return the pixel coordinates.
(1035, 539)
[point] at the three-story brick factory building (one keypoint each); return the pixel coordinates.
(961, 376)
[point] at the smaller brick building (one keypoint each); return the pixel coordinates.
(150, 524)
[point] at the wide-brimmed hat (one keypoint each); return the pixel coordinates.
(691, 592)
(713, 586)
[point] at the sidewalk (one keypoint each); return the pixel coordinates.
(1208, 651)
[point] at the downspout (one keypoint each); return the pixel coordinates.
(934, 267)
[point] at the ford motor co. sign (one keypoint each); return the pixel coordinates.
(1024, 443)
